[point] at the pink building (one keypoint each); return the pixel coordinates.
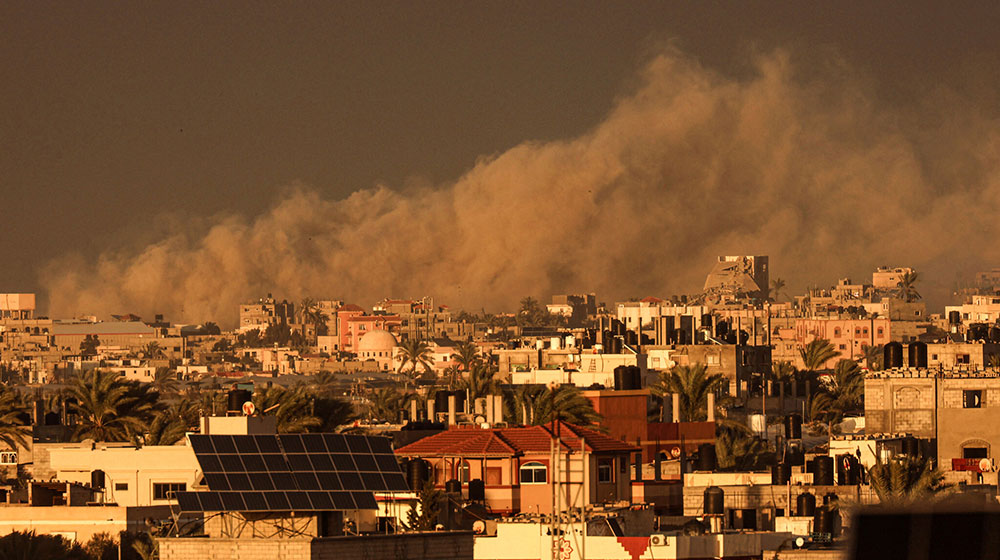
(847, 336)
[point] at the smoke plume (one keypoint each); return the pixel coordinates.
(688, 165)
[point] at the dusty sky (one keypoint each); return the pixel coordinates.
(177, 127)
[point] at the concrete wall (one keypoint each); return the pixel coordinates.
(78, 523)
(413, 546)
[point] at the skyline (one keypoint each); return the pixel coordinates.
(849, 101)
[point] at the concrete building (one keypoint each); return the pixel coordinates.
(736, 277)
(378, 346)
(18, 307)
(972, 356)
(959, 410)
(887, 278)
(847, 336)
(265, 312)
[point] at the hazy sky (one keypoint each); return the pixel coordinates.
(120, 122)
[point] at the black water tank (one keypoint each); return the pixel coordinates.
(977, 332)
(793, 426)
(97, 479)
(994, 334)
(628, 378)
(631, 338)
(892, 355)
(706, 320)
(805, 505)
(441, 401)
(617, 327)
(781, 473)
(418, 474)
(823, 520)
(831, 498)
(706, 457)
(954, 317)
(714, 501)
(911, 446)
(682, 337)
(744, 338)
(477, 490)
(453, 486)
(848, 470)
(721, 330)
(917, 354)
(236, 398)
(823, 470)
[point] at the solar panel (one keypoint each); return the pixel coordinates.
(292, 472)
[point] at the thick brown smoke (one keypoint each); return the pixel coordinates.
(690, 165)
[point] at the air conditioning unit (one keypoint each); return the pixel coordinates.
(657, 540)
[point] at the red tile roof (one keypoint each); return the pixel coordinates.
(508, 442)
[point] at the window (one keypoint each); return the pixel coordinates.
(165, 490)
(974, 453)
(961, 358)
(880, 331)
(843, 347)
(605, 470)
(121, 486)
(463, 472)
(972, 399)
(533, 473)
(836, 331)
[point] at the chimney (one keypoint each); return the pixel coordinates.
(711, 407)
(675, 409)
(451, 409)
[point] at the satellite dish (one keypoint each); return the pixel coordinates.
(985, 465)
(799, 542)
(479, 527)
(675, 451)
(249, 408)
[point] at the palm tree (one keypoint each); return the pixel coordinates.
(414, 353)
(817, 353)
(13, 430)
(693, 384)
(904, 481)
(872, 356)
(109, 409)
(777, 286)
(906, 287)
(211, 328)
(386, 403)
(543, 405)
(466, 355)
(169, 426)
(735, 450)
(784, 372)
(153, 350)
(846, 386)
(334, 414)
(165, 381)
(324, 382)
(293, 408)
(480, 382)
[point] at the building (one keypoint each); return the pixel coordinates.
(848, 336)
(737, 277)
(518, 469)
(887, 278)
(18, 307)
(958, 410)
(265, 312)
(378, 346)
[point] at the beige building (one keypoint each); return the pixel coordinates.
(959, 410)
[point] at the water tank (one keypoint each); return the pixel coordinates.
(757, 424)
(805, 505)
(617, 327)
(994, 334)
(823, 470)
(628, 378)
(848, 470)
(977, 332)
(682, 337)
(892, 355)
(631, 338)
(911, 446)
(917, 354)
(954, 317)
(453, 486)
(781, 473)
(793, 426)
(477, 490)
(714, 501)
(721, 329)
(823, 520)
(418, 473)
(795, 455)
(706, 320)
(441, 401)
(831, 499)
(97, 479)
(744, 338)
(706, 457)
(236, 398)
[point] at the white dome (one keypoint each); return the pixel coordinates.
(377, 341)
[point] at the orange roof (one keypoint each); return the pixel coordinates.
(652, 299)
(508, 442)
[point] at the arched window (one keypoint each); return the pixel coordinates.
(463, 472)
(533, 473)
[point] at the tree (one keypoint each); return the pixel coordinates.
(13, 430)
(846, 386)
(480, 382)
(906, 289)
(165, 381)
(250, 339)
(466, 355)
(817, 353)
(109, 409)
(784, 373)
(777, 287)
(293, 408)
(693, 384)
(313, 315)
(414, 353)
(223, 345)
(903, 481)
(30, 546)
(211, 328)
(153, 350)
(872, 357)
(89, 346)
(102, 546)
(386, 403)
(424, 516)
(169, 426)
(543, 405)
(736, 450)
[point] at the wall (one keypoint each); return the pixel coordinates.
(413, 546)
(78, 523)
(900, 403)
(958, 426)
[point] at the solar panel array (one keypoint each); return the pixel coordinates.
(292, 472)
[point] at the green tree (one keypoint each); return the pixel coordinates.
(543, 405)
(817, 353)
(904, 481)
(386, 403)
(466, 355)
(169, 426)
(736, 450)
(424, 516)
(165, 381)
(109, 409)
(777, 288)
(293, 408)
(250, 339)
(89, 346)
(102, 546)
(153, 350)
(872, 357)
(480, 382)
(906, 289)
(210, 328)
(784, 373)
(414, 353)
(13, 412)
(30, 546)
(693, 384)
